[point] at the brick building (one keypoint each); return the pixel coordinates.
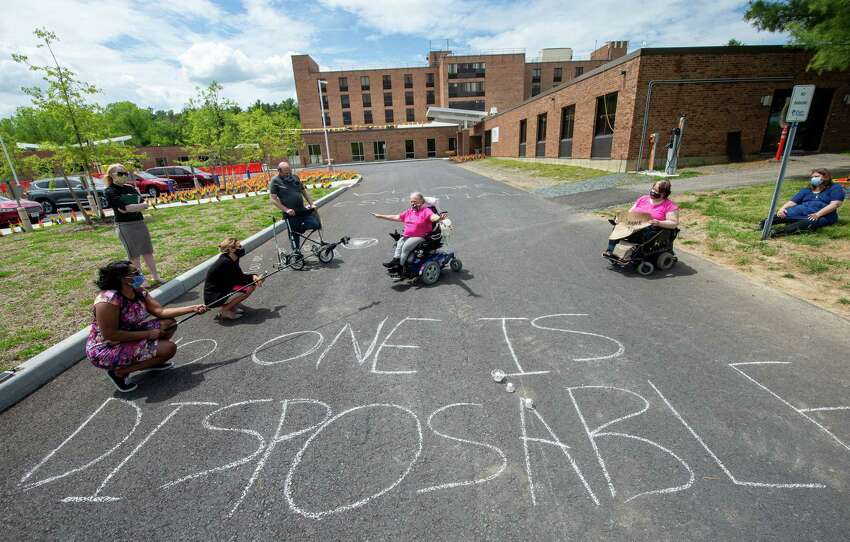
(731, 98)
(369, 111)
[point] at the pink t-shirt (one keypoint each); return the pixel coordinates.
(658, 212)
(417, 223)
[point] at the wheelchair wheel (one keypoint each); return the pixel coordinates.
(646, 268)
(456, 265)
(665, 261)
(326, 254)
(296, 261)
(430, 273)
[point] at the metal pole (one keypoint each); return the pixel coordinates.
(324, 126)
(786, 155)
(16, 190)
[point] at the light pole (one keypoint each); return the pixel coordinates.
(16, 191)
(324, 126)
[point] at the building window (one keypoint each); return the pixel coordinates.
(409, 148)
(579, 70)
(429, 97)
(364, 82)
(540, 149)
(345, 101)
(535, 75)
(315, 153)
(182, 158)
(535, 89)
(325, 101)
(388, 99)
(467, 70)
(523, 131)
(469, 105)
(367, 100)
(379, 148)
(408, 97)
(408, 80)
(388, 116)
(429, 79)
(346, 117)
(327, 118)
(432, 147)
(343, 84)
(388, 82)
(558, 75)
(606, 113)
(357, 151)
(568, 119)
(466, 90)
(161, 162)
(410, 115)
(367, 117)
(452, 143)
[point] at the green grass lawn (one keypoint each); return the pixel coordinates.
(557, 172)
(46, 277)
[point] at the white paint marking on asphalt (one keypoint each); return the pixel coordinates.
(277, 439)
(232, 464)
(295, 462)
(593, 434)
(402, 346)
(557, 443)
(359, 356)
(77, 431)
(524, 440)
(319, 340)
(97, 497)
(620, 347)
(792, 407)
(359, 243)
(511, 347)
(474, 443)
(824, 409)
(214, 347)
(720, 464)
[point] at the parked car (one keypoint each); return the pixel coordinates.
(151, 185)
(55, 193)
(9, 211)
(183, 176)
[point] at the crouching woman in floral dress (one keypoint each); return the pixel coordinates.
(130, 331)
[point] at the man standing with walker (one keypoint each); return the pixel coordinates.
(288, 194)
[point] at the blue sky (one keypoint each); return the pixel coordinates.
(156, 52)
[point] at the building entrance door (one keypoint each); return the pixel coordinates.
(809, 133)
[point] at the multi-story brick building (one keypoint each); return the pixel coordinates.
(614, 109)
(363, 108)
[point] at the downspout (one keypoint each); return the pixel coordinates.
(654, 82)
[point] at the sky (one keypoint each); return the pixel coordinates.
(155, 53)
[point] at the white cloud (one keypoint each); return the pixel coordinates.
(207, 61)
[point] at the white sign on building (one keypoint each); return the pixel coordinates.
(801, 101)
(494, 135)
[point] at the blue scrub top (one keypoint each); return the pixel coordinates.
(809, 202)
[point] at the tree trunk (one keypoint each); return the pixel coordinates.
(74, 196)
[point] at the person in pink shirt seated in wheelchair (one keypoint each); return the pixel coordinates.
(418, 221)
(664, 213)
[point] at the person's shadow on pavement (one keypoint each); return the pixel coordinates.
(253, 316)
(156, 387)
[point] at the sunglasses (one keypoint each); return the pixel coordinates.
(121, 173)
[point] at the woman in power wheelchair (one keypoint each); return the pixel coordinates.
(651, 246)
(416, 252)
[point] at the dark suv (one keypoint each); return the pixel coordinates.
(54, 193)
(183, 177)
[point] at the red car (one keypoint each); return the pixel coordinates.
(183, 176)
(150, 185)
(9, 211)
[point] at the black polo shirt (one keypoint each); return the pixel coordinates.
(289, 190)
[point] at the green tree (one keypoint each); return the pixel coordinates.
(820, 25)
(276, 134)
(211, 128)
(734, 43)
(66, 98)
(126, 118)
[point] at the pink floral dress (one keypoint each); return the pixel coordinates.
(134, 312)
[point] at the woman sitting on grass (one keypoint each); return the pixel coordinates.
(123, 337)
(662, 211)
(815, 206)
(225, 277)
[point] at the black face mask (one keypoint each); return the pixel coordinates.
(654, 194)
(240, 252)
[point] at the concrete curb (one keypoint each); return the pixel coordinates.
(40, 369)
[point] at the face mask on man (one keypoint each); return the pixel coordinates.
(816, 181)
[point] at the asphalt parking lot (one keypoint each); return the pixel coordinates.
(690, 405)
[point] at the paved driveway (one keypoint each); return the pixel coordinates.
(694, 405)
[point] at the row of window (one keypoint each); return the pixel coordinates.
(345, 99)
(379, 150)
(387, 82)
(467, 70)
(557, 78)
(606, 113)
(368, 118)
(466, 90)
